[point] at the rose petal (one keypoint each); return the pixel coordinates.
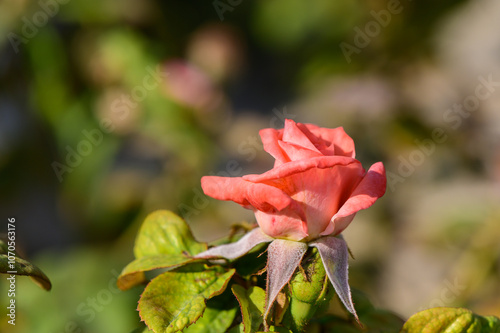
(318, 193)
(293, 167)
(319, 185)
(340, 143)
(371, 187)
(270, 137)
(314, 132)
(286, 224)
(260, 196)
(295, 152)
(322, 192)
(293, 134)
(337, 225)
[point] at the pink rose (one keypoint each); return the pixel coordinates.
(315, 188)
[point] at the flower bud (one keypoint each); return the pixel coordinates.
(308, 290)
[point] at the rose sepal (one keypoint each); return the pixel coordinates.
(284, 259)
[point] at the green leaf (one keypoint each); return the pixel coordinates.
(218, 316)
(252, 303)
(133, 273)
(450, 320)
(163, 232)
(174, 300)
(237, 329)
(21, 267)
(164, 241)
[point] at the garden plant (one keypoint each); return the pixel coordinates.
(284, 274)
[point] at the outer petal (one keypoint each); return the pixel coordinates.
(366, 193)
(248, 194)
(319, 186)
(237, 249)
(285, 224)
(322, 192)
(319, 193)
(337, 225)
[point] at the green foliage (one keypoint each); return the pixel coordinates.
(175, 300)
(192, 296)
(164, 241)
(450, 320)
(184, 297)
(163, 232)
(252, 303)
(21, 267)
(218, 316)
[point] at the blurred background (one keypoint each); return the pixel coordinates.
(110, 110)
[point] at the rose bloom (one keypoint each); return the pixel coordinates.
(315, 188)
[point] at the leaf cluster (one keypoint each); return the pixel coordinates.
(187, 294)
